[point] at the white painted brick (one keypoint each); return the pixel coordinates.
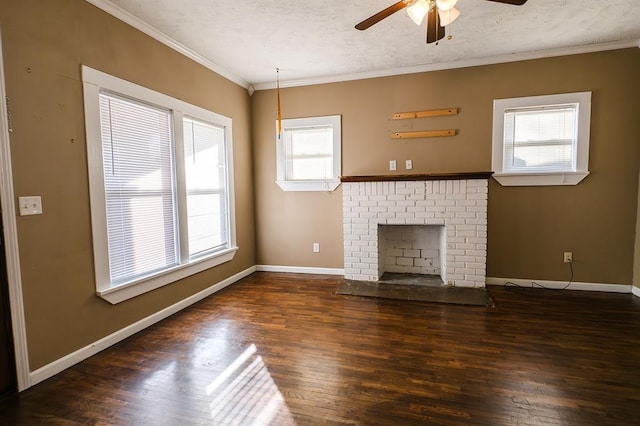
(481, 259)
(456, 197)
(465, 227)
(477, 253)
(415, 221)
(397, 209)
(465, 259)
(425, 215)
(455, 221)
(464, 271)
(445, 215)
(449, 188)
(465, 234)
(425, 203)
(466, 215)
(406, 215)
(477, 182)
(476, 221)
(456, 253)
(428, 187)
(455, 209)
(477, 278)
(396, 197)
(465, 283)
(358, 243)
(456, 186)
(404, 261)
(476, 196)
(466, 246)
(410, 253)
(396, 221)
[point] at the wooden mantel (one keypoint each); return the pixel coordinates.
(429, 176)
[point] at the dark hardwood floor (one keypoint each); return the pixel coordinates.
(282, 349)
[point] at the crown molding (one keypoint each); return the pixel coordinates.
(514, 57)
(158, 35)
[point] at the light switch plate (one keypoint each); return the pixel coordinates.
(30, 205)
(408, 164)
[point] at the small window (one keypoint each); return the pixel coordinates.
(161, 186)
(541, 140)
(308, 154)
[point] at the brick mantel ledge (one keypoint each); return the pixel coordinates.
(417, 177)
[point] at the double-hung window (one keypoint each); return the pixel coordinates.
(542, 140)
(160, 185)
(308, 154)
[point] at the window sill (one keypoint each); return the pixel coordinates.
(127, 291)
(540, 179)
(310, 185)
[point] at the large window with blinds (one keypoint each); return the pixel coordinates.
(542, 140)
(160, 183)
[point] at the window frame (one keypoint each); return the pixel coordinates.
(95, 82)
(543, 178)
(290, 124)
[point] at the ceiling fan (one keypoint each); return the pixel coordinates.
(440, 13)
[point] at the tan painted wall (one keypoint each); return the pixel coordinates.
(529, 227)
(44, 43)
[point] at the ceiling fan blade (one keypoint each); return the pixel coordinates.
(381, 15)
(435, 31)
(513, 2)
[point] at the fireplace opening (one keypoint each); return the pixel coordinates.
(412, 254)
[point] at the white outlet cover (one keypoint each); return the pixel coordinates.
(392, 165)
(408, 164)
(30, 205)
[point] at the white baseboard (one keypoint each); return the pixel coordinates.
(67, 361)
(636, 291)
(556, 285)
(300, 270)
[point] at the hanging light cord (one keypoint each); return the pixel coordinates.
(278, 94)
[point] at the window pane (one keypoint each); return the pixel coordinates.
(139, 195)
(309, 153)
(204, 153)
(540, 139)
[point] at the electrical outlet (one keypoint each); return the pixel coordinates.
(408, 164)
(316, 247)
(30, 205)
(568, 257)
(392, 165)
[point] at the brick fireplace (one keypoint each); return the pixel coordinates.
(419, 224)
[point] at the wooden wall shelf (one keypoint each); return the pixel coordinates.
(423, 134)
(424, 114)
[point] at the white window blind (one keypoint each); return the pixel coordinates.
(139, 190)
(309, 153)
(205, 177)
(540, 139)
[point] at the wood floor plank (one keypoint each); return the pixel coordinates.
(283, 349)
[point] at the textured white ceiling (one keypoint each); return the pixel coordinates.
(315, 39)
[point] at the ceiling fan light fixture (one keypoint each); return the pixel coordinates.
(418, 10)
(446, 4)
(448, 16)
